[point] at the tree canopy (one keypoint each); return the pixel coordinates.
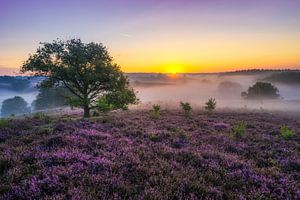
(86, 70)
(48, 98)
(261, 90)
(18, 84)
(14, 106)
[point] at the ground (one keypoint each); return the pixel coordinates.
(129, 155)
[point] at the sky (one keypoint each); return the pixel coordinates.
(168, 36)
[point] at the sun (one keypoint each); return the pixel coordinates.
(173, 69)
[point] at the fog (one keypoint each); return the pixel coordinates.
(226, 89)
(169, 90)
(28, 96)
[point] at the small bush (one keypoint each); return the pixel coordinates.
(286, 132)
(154, 137)
(180, 133)
(103, 105)
(41, 116)
(155, 112)
(210, 105)
(239, 130)
(186, 107)
(4, 123)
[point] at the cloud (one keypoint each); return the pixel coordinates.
(125, 35)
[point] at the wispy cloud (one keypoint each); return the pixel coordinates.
(125, 35)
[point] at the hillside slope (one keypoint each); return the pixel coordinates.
(131, 156)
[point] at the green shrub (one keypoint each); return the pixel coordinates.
(154, 137)
(286, 132)
(155, 112)
(41, 116)
(210, 105)
(4, 123)
(103, 105)
(186, 107)
(179, 132)
(239, 130)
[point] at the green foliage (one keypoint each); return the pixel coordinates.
(286, 132)
(210, 105)
(103, 105)
(41, 116)
(114, 100)
(14, 106)
(51, 98)
(121, 97)
(155, 112)
(261, 90)
(4, 123)
(179, 132)
(86, 70)
(154, 137)
(186, 107)
(239, 130)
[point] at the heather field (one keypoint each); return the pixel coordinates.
(129, 155)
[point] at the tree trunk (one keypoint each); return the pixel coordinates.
(86, 111)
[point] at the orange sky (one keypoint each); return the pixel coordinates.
(161, 36)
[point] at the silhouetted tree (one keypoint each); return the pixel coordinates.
(86, 70)
(17, 84)
(51, 98)
(261, 90)
(14, 106)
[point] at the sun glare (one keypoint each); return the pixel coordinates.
(173, 69)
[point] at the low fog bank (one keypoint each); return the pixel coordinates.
(169, 90)
(29, 97)
(226, 89)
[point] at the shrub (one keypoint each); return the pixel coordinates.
(286, 132)
(261, 90)
(116, 100)
(154, 137)
(4, 123)
(186, 107)
(239, 130)
(179, 132)
(210, 105)
(41, 116)
(103, 105)
(155, 112)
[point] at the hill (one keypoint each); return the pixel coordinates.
(128, 155)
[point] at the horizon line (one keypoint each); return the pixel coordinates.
(190, 73)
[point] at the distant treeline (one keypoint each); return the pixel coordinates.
(258, 71)
(291, 77)
(14, 83)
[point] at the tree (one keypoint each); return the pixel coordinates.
(86, 70)
(14, 106)
(51, 98)
(261, 90)
(18, 84)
